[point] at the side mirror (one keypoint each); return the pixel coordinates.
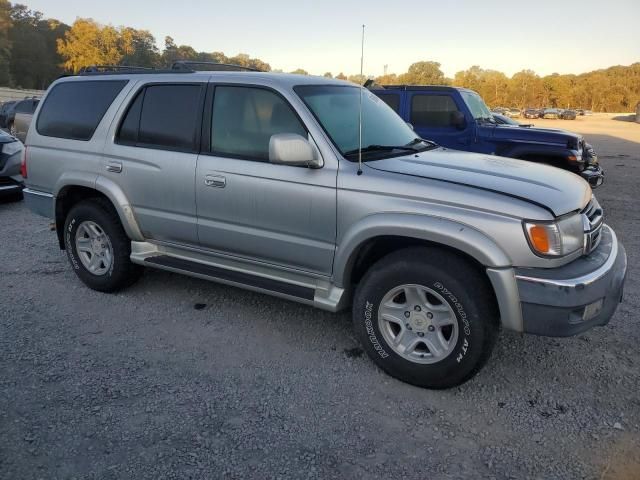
(292, 149)
(458, 120)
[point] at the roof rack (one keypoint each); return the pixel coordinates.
(214, 66)
(111, 68)
(179, 66)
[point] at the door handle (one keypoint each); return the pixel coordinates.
(115, 167)
(215, 181)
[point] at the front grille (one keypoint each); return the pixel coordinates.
(593, 220)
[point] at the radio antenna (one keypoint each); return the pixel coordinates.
(360, 107)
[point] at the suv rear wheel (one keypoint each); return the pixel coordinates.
(426, 317)
(98, 247)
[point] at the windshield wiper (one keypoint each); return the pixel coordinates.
(380, 148)
(411, 147)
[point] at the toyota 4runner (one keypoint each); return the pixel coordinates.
(254, 180)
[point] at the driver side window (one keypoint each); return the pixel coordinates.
(245, 118)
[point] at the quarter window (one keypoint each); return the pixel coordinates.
(434, 111)
(245, 118)
(73, 110)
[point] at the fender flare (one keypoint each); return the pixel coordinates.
(110, 190)
(121, 203)
(434, 229)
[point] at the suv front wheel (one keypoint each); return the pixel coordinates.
(426, 317)
(98, 247)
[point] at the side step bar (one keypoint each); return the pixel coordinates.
(232, 277)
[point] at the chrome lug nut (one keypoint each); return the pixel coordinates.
(417, 308)
(431, 328)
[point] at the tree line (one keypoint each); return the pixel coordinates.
(35, 50)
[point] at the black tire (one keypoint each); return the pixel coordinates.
(463, 287)
(122, 272)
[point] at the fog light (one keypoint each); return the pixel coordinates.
(593, 309)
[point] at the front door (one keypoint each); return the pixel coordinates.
(247, 207)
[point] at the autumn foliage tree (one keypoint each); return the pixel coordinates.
(88, 43)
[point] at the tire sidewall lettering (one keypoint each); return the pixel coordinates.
(371, 333)
(462, 318)
(70, 244)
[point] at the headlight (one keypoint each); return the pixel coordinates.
(11, 148)
(555, 239)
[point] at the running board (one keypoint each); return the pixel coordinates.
(293, 285)
(233, 277)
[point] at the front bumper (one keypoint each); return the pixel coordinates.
(565, 301)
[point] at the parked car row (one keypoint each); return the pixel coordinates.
(270, 182)
(564, 114)
(15, 116)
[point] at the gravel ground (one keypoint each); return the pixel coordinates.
(181, 378)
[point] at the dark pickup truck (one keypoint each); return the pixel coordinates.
(458, 118)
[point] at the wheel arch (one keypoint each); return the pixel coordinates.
(73, 191)
(370, 240)
(389, 232)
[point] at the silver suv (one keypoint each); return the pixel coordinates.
(253, 179)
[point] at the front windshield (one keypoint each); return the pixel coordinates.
(478, 108)
(336, 107)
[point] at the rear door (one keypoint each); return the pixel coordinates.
(247, 207)
(431, 114)
(153, 158)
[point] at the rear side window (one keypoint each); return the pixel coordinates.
(392, 100)
(27, 106)
(432, 111)
(164, 116)
(245, 118)
(73, 110)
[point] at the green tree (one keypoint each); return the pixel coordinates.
(328, 75)
(34, 59)
(300, 71)
(424, 73)
(139, 48)
(341, 76)
(5, 43)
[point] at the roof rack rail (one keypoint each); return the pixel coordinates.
(182, 65)
(111, 68)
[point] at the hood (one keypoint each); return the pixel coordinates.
(556, 190)
(549, 136)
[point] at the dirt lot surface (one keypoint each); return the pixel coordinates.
(142, 384)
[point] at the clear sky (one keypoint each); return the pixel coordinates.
(564, 36)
